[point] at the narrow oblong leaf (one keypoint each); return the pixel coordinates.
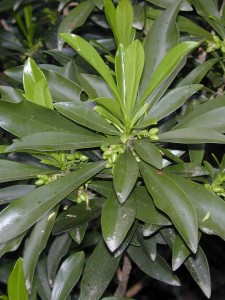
(35, 85)
(58, 249)
(11, 170)
(180, 252)
(76, 18)
(36, 244)
(98, 272)
(25, 118)
(77, 215)
(54, 141)
(158, 269)
(67, 276)
(15, 191)
(91, 55)
(117, 220)
(85, 116)
(174, 201)
(148, 152)
(10, 94)
(16, 283)
(192, 136)
(123, 184)
(25, 212)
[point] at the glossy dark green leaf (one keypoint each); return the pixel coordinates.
(16, 285)
(77, 215)
(187, 170)
(192, 136)
(67, 276)
(167, 65)
(197, 153)
(43, 287)
(187, 25)
(76, 18)
(146, 209)
(92, 57)
(205, 203)
(25, 118)
(94, 86)
(53, 141)
(148, 244)
(172, 101)
(62, 89)
(126, 164)
(111, 105)
(180, 252)
(86, 117)
(35, 245)
(110, 13)
(165, 35)
(198, 267)
(35, 85)
(58, 249)
(104, 188)
(24, 213)
(158, 269)
(117, 220)
(10, 94)
(174, 201)
(185, 6)
(148, 152)
(15, 191)
(11, 170)
(124, 21)
(78, 233)
(70, 71)
(139, 16)
(98, 272)
(150, 229)
(11, 245)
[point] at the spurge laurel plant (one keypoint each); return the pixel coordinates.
(110, 165)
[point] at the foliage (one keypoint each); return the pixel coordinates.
(108, 158)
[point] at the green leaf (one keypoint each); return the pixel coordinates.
(24, 213)
(187, 25)
(150, 229)
(70, 71)
(11, 245)
(124, 21)
(67, 276)
(58, 249)
(16, 284)
(171, 102)
(62, 89)
(187, 170)
(146, 209)
(213, 119)
(167, 65)
(98, 272)
(25, 118)
(111, 105)
(185, 6)
(117, 220)
(174, 201)
(110, 13)
(35, 245)
(77, 215)
(85, 116)
(180, 252)
(78, 233)
(104, 188)
(11, 170)
(148, 245)
(35, 85)
(158, 269)
(192, 136)
(205, 202)
(43, 287)
(165, 35)
(94, 86)
(198, 267)
(15, 191)
(54, 141)
(76, 18)
(93, 58)
(123, 184)
(109, 116)
(148, 152)
(10, 94)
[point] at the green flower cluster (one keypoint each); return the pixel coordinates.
(45, 179)
(111, 154)
(152, 134)
(216, 185)
(216, 44)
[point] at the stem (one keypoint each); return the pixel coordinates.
(123, 277)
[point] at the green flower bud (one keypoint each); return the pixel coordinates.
(82, 197)
(108, 152)
(154, 138)
(104, 148)
(120, 150)
(223, 49)
(114, 157)
(76, 155)
(70, 156)
(83, 158)
(217, 46)
(153, 131)
(114, 147)
(44, 177)
(217, 189)
(216, 39)
(39, 182)
(108, 165)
